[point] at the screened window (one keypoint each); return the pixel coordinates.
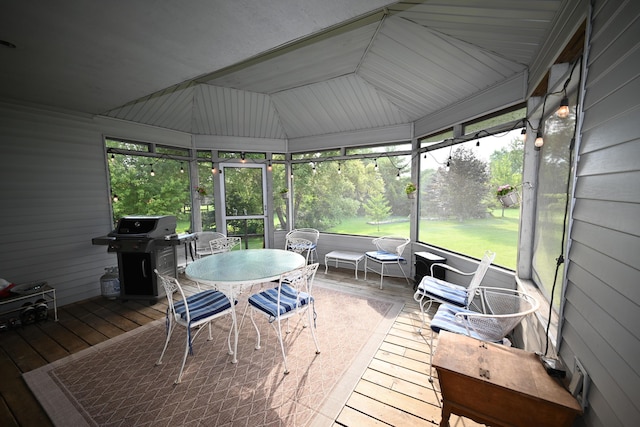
(459, 207)
(552, 191)
(355, 196)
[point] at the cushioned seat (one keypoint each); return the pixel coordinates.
(203, 304)
(443, 291)
(267, 301)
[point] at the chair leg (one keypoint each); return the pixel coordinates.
(284, 354)
(184, 360)
(431, 357)
(381, 274)
(166, 342)
(257, 347)
(313, 332)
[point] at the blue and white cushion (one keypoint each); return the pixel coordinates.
(442, 291)
(384, 256)
(267, 301)
(203, 304)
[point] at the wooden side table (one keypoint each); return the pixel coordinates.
(498, 385)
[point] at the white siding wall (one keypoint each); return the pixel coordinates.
(603, 292)
(55, 199)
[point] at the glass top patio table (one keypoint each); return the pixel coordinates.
(244, 267)
(230, 272)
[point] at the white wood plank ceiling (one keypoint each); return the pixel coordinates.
(383, 67)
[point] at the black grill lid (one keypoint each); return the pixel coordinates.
(145, 226)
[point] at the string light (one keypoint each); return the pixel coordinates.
(398, 175)
(181, 167)
(339, 169)
(375, 167)
(115, 197)
(539, 142)
(113, 157)
(153, 173)
(242, 158)
(213, 167)
(313, 165)
(269, 166)
(563, 110)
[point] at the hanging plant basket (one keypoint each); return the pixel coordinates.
(509, 199)
(412, 195)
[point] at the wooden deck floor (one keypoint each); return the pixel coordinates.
(394, 390)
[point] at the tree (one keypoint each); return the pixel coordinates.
(377, 207)
(461, 191)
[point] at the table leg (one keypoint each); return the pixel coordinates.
(446, 414)
(231, 296)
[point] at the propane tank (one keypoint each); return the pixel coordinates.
(110, 283)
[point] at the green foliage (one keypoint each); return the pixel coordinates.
(139, 193)
(377, 208)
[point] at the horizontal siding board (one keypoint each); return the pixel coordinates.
(621, 101)
(614, 216)
(622, 128)
(618, 276)
(609, 302)
(621, 246)
(614, 187)
(615, 159)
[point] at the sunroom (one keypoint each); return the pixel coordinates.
(343, 104)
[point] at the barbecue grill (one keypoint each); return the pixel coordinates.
(143, 243)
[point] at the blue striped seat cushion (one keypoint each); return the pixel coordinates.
(267, 301)
(445, 319)
(203, 304)
(385, 256)
(442, 291)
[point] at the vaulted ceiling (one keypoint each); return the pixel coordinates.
(278, 69)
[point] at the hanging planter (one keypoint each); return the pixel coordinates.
(508, 195)
(411, 190)
(284, 193)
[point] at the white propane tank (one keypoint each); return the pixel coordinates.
(110, 283)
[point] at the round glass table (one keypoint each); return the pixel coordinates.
(230, 272)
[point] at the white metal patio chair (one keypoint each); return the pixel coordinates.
(202, 242)
(310, 234)
(300, 246)
(431, 289)
(224, 244)
(501, 311)
(291, 297)
(389, 252)
(192, 312)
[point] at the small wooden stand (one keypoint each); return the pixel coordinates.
(498, 385)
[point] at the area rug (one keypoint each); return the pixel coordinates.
(117, 383)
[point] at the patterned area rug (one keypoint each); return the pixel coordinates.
(117, 383)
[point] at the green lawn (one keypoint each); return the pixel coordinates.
(471, 237)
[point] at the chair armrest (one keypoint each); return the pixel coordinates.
(448, 267)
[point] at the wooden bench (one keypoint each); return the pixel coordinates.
(352, 258)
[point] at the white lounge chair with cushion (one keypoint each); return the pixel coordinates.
(431, 289)
(389, 252)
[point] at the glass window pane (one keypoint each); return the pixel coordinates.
(459, 207)
(167, 192)
(553, 176)
(353, 196)
(207, 202)
(489, 122)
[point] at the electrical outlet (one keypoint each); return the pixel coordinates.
(579, 386)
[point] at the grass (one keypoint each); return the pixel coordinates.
(470, 237)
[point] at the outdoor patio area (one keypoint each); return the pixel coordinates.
(394, 389)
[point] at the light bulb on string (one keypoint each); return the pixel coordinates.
(115, 198)
(339, 169)
(213, 167)
(375, 166)
(563, 110)
(398, 175)
(539, 142)
(113, 157)
(269, 166)
(152, 173)
(181, 168)
(242, 157)
(448, 167)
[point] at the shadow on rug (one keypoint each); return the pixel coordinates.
(117, 383)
